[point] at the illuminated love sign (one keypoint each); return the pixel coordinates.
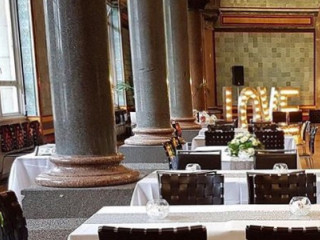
(262, 110)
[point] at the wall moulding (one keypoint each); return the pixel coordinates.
(267, 20)
(291, 4)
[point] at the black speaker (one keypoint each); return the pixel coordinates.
(237, 76)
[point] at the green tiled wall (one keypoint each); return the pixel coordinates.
(269, 59)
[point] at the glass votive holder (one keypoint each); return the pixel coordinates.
(300, 206)
(157, 208)
(280, 167)
(193, 167)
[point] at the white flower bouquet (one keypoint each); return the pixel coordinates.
(206, 118)
(244, 143)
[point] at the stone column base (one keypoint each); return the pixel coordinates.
(187, 123)
(87, 171)
(149, 136)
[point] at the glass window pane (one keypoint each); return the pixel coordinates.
(9, 100)
(7, 66)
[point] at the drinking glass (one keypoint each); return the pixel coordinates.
(300, 206)
(157, 208)
(193, 167)
(280, 167)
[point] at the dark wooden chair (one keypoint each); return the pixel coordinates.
(279, 189)
(262, 126)
(302, 138)
(14, 225)
(16, 140)
(176, 143)
(222, 122)
(265, 159)
(171, 154)
(279, 117)
(312, 139)
(271, 139)
(198, 188)
(281, 233)
(181, 233)
(218, 138)
(7, 138)
(314, 115)
(295, 117)
(208, 160)
(177, 129)
(222, 128)
(36, 133)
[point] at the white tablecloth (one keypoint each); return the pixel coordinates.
(235, 187)
(24, 170)
(225, 228)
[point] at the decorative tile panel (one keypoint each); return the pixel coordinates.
(270, 59)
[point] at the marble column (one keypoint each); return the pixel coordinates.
(146, 24)
(195, 50)
(176, 26)
(86, 153)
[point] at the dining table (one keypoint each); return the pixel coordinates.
(199, 140)
(221, 221)
(235, 186)
(27, 167)
(229, 162)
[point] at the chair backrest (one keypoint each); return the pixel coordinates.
(271, 139)
(314, 115)
(279, 189)
(176, 143)
(261, 126)
(220, 122)
(197, 188)
(218, 138)
(20, 136)
(313, 133)
(181, 233)
(295, 117)
(177, 129)
(222, 127)
(14, 224)
(279, 117)
(36, 133)
(171, 154)
(7, 141)
(304, 129)
(282, 233)
(208, 160)
(265, 159)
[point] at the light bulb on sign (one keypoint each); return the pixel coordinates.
(246, 94)
(227, 103)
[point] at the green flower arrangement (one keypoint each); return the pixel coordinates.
(244, 143)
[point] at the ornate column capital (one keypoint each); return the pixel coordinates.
(211, 11)
(197, 4)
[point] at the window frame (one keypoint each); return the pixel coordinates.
(18, 83)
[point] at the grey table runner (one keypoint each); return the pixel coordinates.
(196, 217)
